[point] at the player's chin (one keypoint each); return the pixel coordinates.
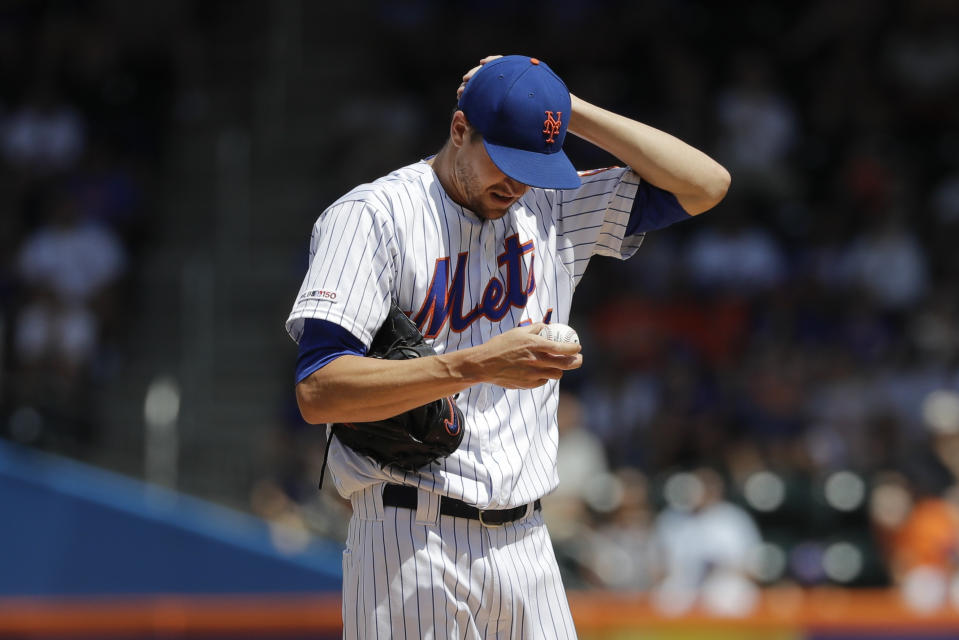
(488, 213)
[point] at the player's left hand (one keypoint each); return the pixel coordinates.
(469, 74)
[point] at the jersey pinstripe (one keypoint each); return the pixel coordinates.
(464, 280)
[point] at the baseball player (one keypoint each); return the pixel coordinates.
(479, 245)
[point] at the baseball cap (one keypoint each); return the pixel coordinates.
(522, 109)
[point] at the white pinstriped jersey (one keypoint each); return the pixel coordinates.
(464, 280)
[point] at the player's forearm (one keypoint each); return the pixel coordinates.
(355, 389)
(697, 181)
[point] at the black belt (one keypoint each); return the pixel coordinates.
(404, 496)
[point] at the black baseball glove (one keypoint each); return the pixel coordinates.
(416, 437)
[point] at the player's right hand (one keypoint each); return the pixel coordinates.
(523, 359)
(469, 74)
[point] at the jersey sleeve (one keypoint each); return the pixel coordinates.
(592, 219)
(321, 343)
(351, 271)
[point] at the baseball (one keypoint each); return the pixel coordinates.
(559, 333)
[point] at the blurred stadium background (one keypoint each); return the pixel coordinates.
(764, 441)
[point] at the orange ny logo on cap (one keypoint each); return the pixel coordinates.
(551, 125)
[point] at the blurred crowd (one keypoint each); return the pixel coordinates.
(776, 391)
(769, 395)
(771, 392)
(82, 117)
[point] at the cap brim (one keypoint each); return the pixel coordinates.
(542, 170)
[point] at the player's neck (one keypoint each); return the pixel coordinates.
(442, 164)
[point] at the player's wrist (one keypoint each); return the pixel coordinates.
(458, 366)
(578, 110)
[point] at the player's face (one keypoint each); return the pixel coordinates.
(487, 190)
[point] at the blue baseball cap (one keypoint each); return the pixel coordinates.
(522, 109)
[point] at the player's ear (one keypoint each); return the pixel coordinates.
(459, 129)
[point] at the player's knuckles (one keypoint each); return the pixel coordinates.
(469, 74)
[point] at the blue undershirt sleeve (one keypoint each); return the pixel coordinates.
(321, 343)
(653, 208)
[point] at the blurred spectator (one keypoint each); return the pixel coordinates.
(68, 268)
(706, 542)
(886, 261)
(735, 257)
(583, 478)
(582, 458)
(940, 415)
(43, 135)
(928, 537)
(622, 551)
(920, 534)
(758, 127)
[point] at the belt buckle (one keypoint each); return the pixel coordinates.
(489, 525)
